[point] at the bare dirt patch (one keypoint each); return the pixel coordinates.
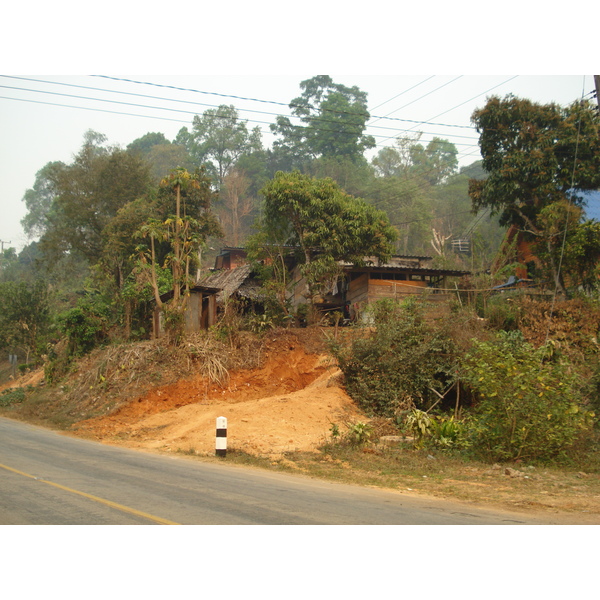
(31, 378)
(286, 404)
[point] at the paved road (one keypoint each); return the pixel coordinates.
(52, 479)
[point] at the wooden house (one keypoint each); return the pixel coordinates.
(232, 276)
(398, 278)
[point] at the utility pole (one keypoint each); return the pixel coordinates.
(597, 82)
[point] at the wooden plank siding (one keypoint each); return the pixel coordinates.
(358, 289)
(385, 288)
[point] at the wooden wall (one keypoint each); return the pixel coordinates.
(363, 289)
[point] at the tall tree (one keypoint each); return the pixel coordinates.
(161, 154)
(406, 177)
(333, 119)
(144, 144)
(186, 228)
(407, 206)
(24, 315)
(431, 164)
(236, 205)
(218, 139)
(40, 198)
(88, 194)
(535, 155)
(434, 162)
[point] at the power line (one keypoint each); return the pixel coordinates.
(474, 97)
(454, 136)
(196, 103)
(298, 127)
(172, 87)
(96, 89)
(415, 178)
(428, 122)
(202, 104)
(110, 101)
(290, 105)
(113, 112)
(401, 94)
(469, 100)
(187, 112)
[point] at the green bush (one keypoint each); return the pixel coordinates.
(397, 367)
(85, 326)
(448, 432)
(436, 431)
(502, 313)
(359, 434)
(528, 407)
(12, 396)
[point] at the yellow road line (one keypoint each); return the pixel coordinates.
(120, 507)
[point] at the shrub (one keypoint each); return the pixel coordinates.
(12, 396)
(438, 431)
(359, 434)
(419, 423)
(528, 407)
(85, 325)
(448, 432)
(395, 368)
(502, 313)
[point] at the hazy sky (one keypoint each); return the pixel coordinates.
(249, 57)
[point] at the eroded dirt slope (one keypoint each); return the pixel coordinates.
(288, 403)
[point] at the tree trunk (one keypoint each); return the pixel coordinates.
(558, 280)
(176, 246)
(153, 276)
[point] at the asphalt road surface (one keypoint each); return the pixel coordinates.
(47, 478)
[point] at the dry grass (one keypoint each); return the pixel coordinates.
(110, 376)
(210, 356)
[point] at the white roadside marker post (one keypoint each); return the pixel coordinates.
(221, 441)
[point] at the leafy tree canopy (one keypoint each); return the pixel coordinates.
(40, 197)
(88, 194)
(218, 139)
(144, 144)
(161, 154)
(325, 223)
(333, 119)
(24, 314)
(185, 230)
(534, 154)
(431, 164)
(436, 161)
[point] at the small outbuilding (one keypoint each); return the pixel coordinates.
(200, 312)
